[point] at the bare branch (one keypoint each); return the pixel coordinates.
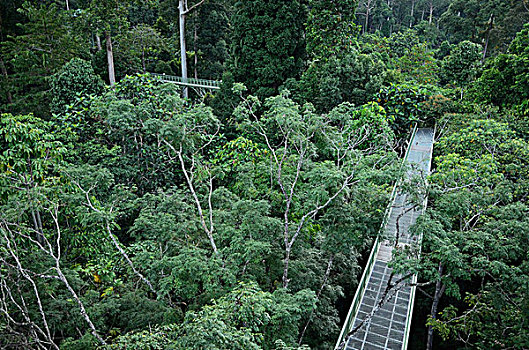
(112, 238)
(191, 187)
(193, 7)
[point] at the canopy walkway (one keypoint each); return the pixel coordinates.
(191, 82)
(381, 311)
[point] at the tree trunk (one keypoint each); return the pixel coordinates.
(37, 221)
(82, 309)
(412, 12)
(431, 12)
(285, 268)
(4, 73)
(98, 42)
(182, 25)
(110, 59)
(491, 24)
(439, 290)
(124, 254)
(67, 5)
(191, 187)
(485, 48)
(368, 10)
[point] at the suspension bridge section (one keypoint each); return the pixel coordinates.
(380, 315)
(189, 82)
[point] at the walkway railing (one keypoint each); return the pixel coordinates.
(192, 82)
(409, 312)
(362, 284)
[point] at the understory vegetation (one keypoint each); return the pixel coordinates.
(134, 217)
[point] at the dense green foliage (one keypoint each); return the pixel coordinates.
(268, 43)
(76, 78)
(131, 218)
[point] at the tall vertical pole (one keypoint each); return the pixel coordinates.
(182, 24)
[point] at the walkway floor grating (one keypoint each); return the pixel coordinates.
(383, 313)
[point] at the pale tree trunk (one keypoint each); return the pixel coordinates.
(286, 262)
(82, 309)
(113, 238)
(431, 12)
(110, 59)
(390, 5)
(189, 175)
(67, 5)
(439, 290)
(183, 56)
(368, 13)
(38, 229)
(209, 229)
(98, 42)
(491, 24)
(412, 12)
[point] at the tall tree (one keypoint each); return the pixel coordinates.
(471, 20)
(330, 27)
(504, 81)
(267, 43)
(45, 43)
(290, 134)
(366, 8)
(209, 33)
(462, 66)
(107, 16)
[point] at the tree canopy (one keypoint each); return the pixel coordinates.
(136, 216)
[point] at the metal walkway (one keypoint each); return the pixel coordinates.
(191, 82)
(380, 315)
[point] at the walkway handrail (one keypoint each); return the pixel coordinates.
(409, 312)
(204, 83)
(360, 289)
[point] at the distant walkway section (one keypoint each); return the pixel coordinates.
(380, 315)
(191, 82)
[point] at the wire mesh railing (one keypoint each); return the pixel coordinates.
(362, 284)
(194, 82)
(414, 277)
